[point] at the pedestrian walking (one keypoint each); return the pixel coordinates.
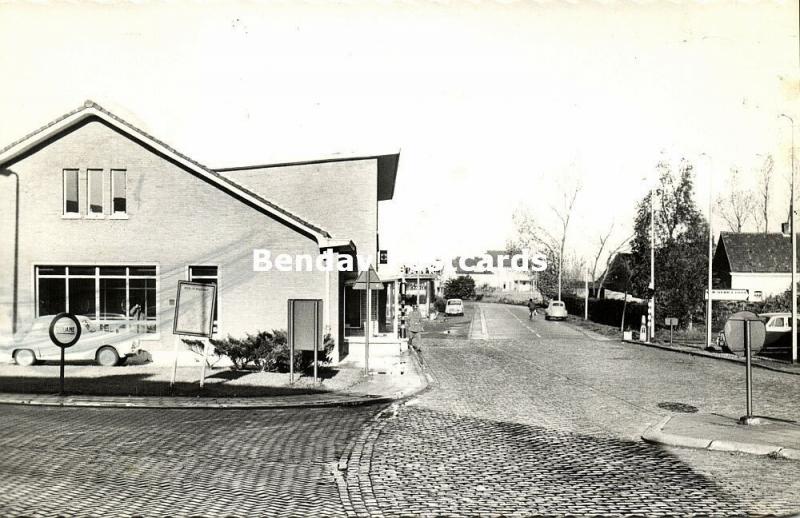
(531, 309)
(414, 322)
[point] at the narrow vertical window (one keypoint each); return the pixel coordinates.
(71, 205)
(94, 189)
(119, 193)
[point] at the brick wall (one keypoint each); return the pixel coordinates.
(341, 197)
(175, 219)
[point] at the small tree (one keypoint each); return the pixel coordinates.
(736, 206)
(761, 212)
(461, 287)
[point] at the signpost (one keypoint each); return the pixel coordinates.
(305, 330)
(745, 333)
(671, 322)
(740, 295)
(368, 280)
(65, 331)
(194, 316)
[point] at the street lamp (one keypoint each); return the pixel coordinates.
(710, 248)
(794, 251)
(14, 302)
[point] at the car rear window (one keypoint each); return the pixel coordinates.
(558, 304)
(453, 302)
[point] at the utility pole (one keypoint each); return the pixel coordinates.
(709, 315)
(794, 251)
(651, 326)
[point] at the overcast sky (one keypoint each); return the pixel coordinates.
(492, 104)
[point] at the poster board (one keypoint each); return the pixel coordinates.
(194, 309)
(305, 324)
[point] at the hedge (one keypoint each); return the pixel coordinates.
(607, 311)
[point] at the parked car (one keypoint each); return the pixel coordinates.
(454, 307)
(556, 310)
(107, 348)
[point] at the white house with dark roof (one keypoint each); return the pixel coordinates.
(98, 217)
(758, 262)
(500, 276)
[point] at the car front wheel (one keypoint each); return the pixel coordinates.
(24, 357)
(107, 357)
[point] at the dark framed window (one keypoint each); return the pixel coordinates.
(109, 295)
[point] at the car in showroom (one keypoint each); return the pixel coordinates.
(454, 307)
(555, 310)
(106, 347)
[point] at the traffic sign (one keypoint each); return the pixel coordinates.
(368, 277)
(65, 330)
(735, 330)
(671, 321)
(728, 294)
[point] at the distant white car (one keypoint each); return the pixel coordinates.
(556, 310)
(106, 347)
(454, 307)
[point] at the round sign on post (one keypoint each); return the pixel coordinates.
(735, 332)
(65, 330)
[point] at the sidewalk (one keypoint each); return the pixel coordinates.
(378, 388)
(757, 361)
(775, 438)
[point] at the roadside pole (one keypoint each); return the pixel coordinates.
(651, 325)
(367, 326)
(586, 297)
(794, 249)
(709, 314)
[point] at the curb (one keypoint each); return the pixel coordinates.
(714, 356)
(188, 403)
(655, 435)
(340, 399)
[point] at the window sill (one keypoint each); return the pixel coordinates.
(95, 216)
(71, 216)
(118, 215)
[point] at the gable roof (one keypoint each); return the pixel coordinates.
(755, 252)
(29, 143)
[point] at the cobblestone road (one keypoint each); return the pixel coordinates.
(537, 420)
(546, 421)
(118, 462)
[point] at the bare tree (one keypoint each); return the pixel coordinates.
(531, 234)
(736, 206)
(761, 207)
(564, 213)
(603, 240)
(611, 254)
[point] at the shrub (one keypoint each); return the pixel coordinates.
(440, 304)
(607, 311)
(267, 351)
(461, 287)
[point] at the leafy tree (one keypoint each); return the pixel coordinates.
(461, 287)
(681, 236)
